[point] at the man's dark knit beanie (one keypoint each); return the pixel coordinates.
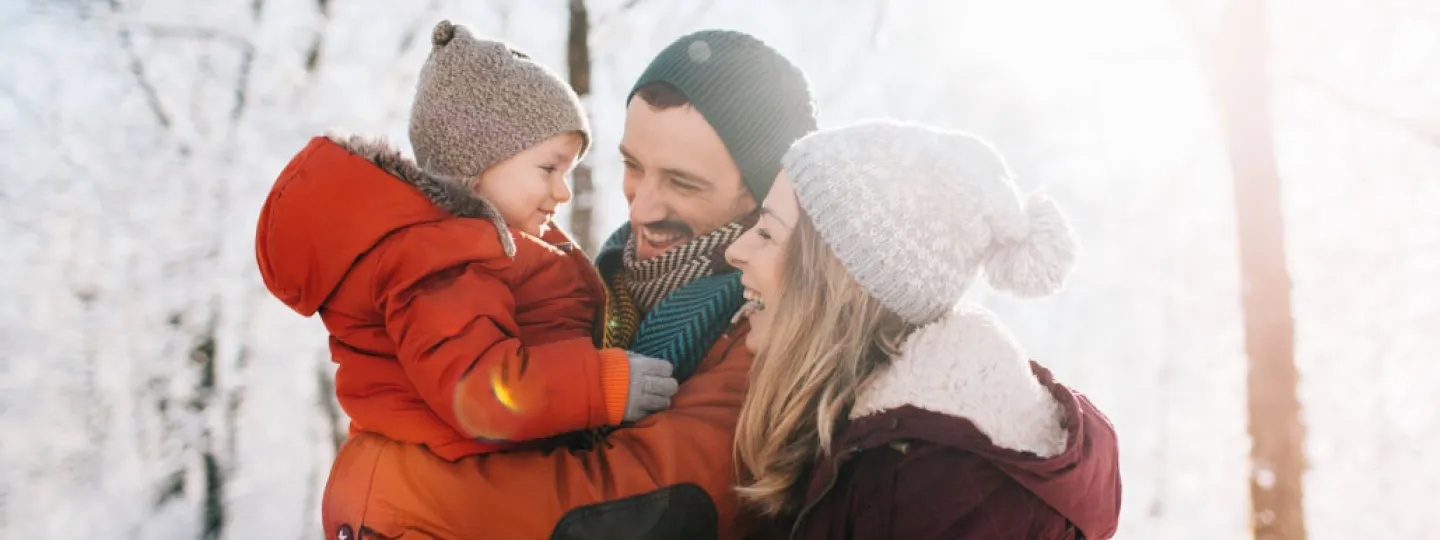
(752, 96)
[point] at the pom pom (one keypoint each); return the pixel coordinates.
(1037, 263)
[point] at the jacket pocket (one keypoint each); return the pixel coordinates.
(682, 511)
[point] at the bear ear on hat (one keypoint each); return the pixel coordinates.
(443, 33)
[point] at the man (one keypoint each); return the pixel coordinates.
(705, 128)
(704, 131)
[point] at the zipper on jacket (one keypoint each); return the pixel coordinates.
(834, 479)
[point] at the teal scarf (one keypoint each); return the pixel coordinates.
(684, 323)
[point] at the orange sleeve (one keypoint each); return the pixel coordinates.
(555, 298)
(451, 313)
(531, 494)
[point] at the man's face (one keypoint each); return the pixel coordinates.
(679, 179)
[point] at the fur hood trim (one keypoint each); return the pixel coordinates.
(967, 365)
(446, 193)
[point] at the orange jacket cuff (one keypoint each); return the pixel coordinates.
(615, 383)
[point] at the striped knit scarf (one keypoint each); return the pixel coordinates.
(649, 281)
(622, 317)
(694, 305)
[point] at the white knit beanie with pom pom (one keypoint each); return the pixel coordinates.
(916, 213)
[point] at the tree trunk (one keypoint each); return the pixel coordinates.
(1277, 435)
(582, 207)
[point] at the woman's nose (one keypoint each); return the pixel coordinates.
(734, 255)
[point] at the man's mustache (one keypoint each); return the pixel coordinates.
(671, 228)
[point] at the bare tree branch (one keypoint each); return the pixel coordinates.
(242, 84)
(312, 55)
(197, 33)
(247, 64)
(137, 68)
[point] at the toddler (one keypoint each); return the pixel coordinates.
(459, 317)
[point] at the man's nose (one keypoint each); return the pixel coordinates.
(648, 206)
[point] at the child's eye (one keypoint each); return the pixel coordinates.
(762, 233)
(549, 169)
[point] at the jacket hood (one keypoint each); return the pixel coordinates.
(339, 197)
(964, 382)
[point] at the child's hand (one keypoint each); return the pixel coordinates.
(652, 384)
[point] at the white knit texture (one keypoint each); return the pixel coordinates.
(916, 213)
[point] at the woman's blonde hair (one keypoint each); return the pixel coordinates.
(828, 338)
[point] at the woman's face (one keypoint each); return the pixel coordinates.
(760, 255)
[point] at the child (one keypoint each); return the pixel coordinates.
(458, 318)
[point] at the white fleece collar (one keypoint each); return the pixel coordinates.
(967, 365)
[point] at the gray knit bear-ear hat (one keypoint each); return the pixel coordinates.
(916, 213)
(480, 102)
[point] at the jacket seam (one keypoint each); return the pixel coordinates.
(370, 489)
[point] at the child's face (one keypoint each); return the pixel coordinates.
(528, 187)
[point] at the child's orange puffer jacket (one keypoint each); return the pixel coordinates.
(428, 303)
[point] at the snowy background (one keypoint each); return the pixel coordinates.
(151, 388)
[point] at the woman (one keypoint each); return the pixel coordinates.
(881, 407)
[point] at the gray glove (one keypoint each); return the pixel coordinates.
(651, 386)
